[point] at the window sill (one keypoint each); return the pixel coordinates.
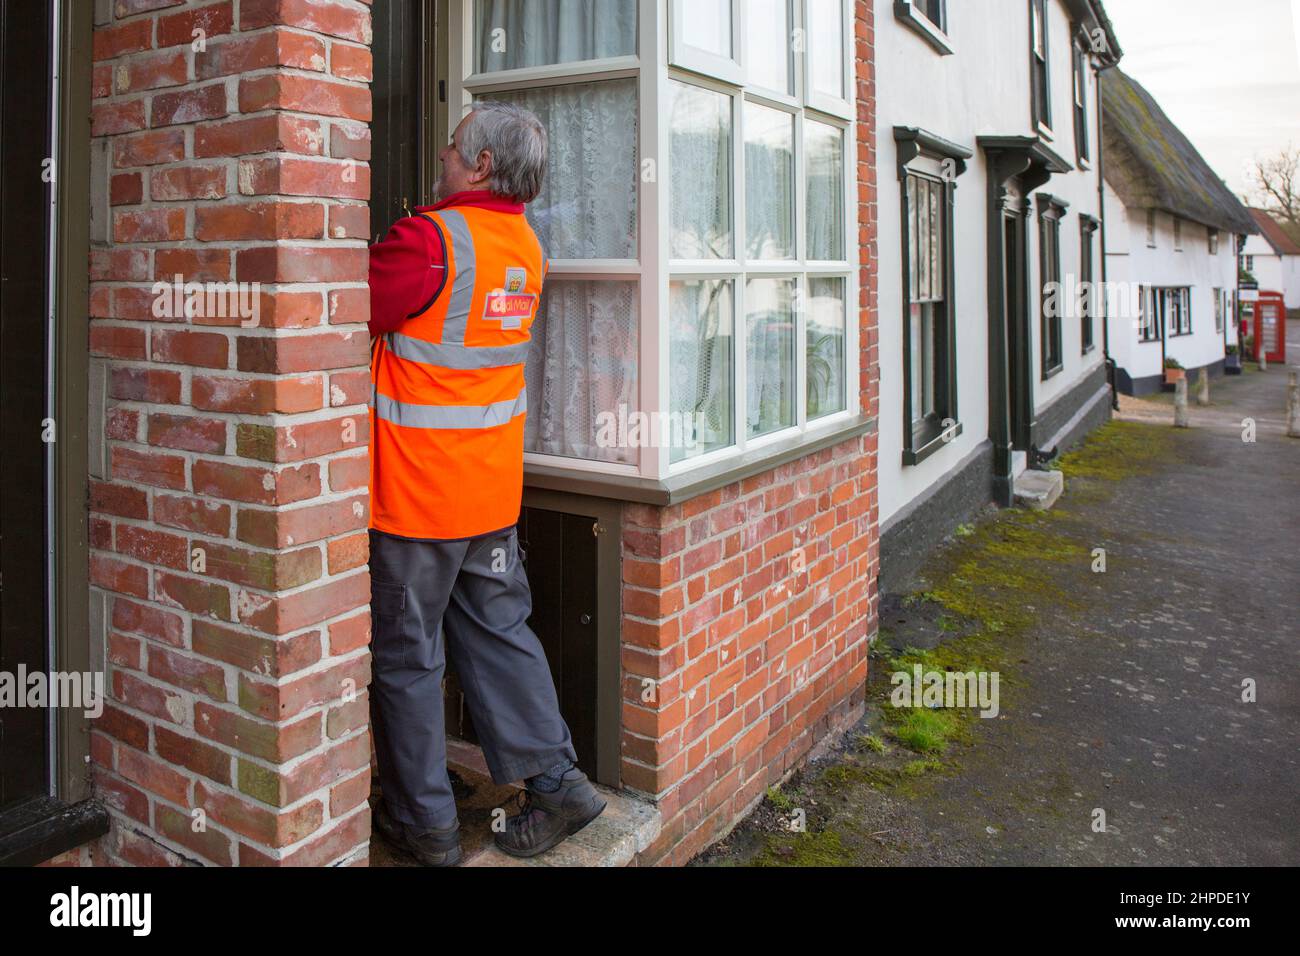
(698, 481)
(921, 25)
(1088, 348)
(1045, 131)
(1052, 372)
(40, 829)
(930, 444)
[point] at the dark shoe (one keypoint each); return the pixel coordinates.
(431, 846)
(544, 819)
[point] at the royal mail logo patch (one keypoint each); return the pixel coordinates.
(510, 305)
(509, 308)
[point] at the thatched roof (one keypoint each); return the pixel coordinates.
(1151, 164)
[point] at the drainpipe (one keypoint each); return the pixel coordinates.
(1101, 206)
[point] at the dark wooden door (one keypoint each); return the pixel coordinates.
(560, 558)
(402, 60)
(1019, 344)
(24, 239)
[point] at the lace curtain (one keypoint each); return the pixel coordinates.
(510, 34)
(584, 353)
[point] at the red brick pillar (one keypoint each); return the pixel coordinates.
(229, 466)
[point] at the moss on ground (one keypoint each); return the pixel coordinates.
(1118, 450)
(984, 591)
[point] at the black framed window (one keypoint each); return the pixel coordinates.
(1220, 307)
(1149, 321)
(1050, 211)
(1080, 102)
(927, 303)
(933, 10)
(1087, 293)
(928, 168)
(1038, 64)
(1151, 228)
(1178, 234)
(1176, 310)
(1212, 241)
(928, 18)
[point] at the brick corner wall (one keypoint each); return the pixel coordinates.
(228, 495)
(748, 612)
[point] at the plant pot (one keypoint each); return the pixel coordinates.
(1173, 375)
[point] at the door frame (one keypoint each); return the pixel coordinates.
(67, 818)
(1017, 165)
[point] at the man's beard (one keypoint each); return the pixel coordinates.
(440, 189)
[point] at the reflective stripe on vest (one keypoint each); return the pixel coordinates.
(450, 416)
(456, 356)
(462, 289)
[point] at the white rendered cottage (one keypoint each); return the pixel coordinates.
(1172, 231)
(1273, 258)
(989, 191)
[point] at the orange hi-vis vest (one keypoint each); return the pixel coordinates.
(448, 401)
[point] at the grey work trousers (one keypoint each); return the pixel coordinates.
(474, 593)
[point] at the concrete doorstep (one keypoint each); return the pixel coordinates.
(626, 827)
(1038, 490)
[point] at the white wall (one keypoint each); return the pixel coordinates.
(1130, 260)
(981, 89)
(1273, 272)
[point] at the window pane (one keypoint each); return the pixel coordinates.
(581, 373)
(936, 243)
(913, 283)
(509, 34)
(927, 359)
(769, 183)
(587, 206)
(769, 355)
(700, 161)
(768, 50)
(923, 237)
(825, 346)
(700, 360)
(824, 148)
(706, 25)
(826, 46)
(922, 360)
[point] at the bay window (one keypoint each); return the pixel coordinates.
(697, 218)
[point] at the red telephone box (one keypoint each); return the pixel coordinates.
(1270, 327)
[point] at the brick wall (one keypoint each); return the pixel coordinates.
(747, 612)
(228, 496)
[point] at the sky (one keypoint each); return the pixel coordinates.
(1226, 71)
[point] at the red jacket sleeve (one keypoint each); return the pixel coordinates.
(407, 269)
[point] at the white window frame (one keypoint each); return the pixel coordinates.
(660, 59)
(731, 69)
